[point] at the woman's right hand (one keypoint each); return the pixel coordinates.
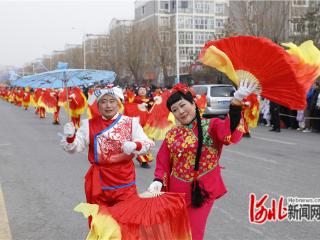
(155, 187)
(69, 130)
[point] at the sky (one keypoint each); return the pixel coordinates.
(30, 29)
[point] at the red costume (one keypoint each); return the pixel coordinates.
(111, 177)
(176, 159)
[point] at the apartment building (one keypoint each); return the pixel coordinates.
(299, 8)
(194, 23)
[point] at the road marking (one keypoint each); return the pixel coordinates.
(250, 156)
(276, 141)
(232, 218)
(5, 144)
(5, 233)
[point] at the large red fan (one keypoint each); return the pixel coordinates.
(144, 217)
(260, 59)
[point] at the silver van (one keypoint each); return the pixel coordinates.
(218, 97)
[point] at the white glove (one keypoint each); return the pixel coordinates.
(129, 147)
(246, 87)
(155, 187)
(69, 129)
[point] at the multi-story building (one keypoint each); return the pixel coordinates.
(299, 29)
(194, 23)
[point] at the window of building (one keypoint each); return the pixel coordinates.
(185, 22)
(211, 8)
(164, 21)
(184, 4)
(219, 35)
(181, 22)
(210, 23)
(199, 23)
(219, 23)
(164, 36)
(300, 3)
(202, 37)
(220, 8)
(189, 22)
(185, 37)
(185, 53)
(298, 26)
(189, 38)
(164, 5)
(202, 7)
(203, 22)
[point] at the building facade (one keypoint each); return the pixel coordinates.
(188, 27)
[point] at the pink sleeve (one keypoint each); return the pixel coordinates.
(163, 164)
(219, 131)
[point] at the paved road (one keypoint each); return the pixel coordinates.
(41, 184)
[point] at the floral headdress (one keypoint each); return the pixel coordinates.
(180, 87)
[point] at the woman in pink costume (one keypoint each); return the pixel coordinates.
(188, 159)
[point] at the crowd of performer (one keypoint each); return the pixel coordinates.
(149, 106)
(122, 125)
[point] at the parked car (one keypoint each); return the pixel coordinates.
(218, 98)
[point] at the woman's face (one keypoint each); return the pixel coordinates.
(184, 111)
(142, 91)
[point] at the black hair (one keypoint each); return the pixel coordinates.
(199, 195)
(177, 96)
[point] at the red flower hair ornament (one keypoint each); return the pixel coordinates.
(182, 88)
(179, 87)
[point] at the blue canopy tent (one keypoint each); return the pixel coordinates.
(65, 78)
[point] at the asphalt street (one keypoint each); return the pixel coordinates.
(42, 184)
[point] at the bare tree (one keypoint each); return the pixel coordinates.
(160, 50)
(74, 57)
(117, 52)
(307, 27)
(261, 18)
(134, 52)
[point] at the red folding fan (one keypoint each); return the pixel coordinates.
(150, 216)
(259, 59)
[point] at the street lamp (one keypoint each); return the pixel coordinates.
(177, 42)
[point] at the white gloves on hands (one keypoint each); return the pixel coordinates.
(246, 87)
(155, 187)
(69, 129)
(129, 147)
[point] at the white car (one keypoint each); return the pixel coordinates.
(218, 98)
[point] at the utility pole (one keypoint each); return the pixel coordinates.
(177, 41)
(84, 51)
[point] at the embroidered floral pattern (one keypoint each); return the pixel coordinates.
(206, 138)
(110, 141)
(182, 144)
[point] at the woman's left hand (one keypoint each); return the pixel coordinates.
(246, 87)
